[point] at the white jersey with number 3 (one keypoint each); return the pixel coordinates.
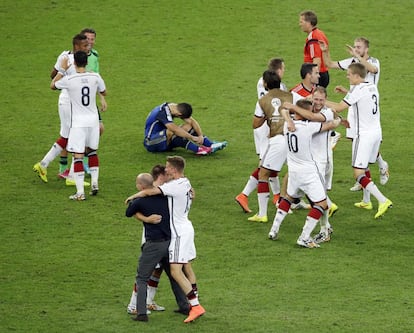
(364, 99)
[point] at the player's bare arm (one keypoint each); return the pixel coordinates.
(152, 219)
(177, 130)
(285, 113)
(258, 121)
(337, 107)
(307, 114)
(327, 56)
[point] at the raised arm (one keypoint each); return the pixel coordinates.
(327, 56)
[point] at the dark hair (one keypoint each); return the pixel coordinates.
(81, 59)
(271, 80)
(88, 30)
(306, 68)
(157, 171)
(310, 17)
(185, 109)
(77, 39)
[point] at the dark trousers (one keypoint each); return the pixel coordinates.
(152, 254)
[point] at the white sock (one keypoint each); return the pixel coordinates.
(133, 301)
(251, 185)
(54, 152)
(274, 184)
(381, 163)
(279, 217)
(94, 171)
(373, 189)
(366, 197)
(79, 179)
(151, 291)
(308, 227)
(263, 199)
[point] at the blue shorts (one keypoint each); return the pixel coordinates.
(157, 142)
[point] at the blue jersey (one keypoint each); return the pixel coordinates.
(156, 129)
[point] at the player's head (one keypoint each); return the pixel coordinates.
(361, 45)
(185, 110)
(81, 58)
(175, 165)
(319, 98)
(277, 65)
(271, 80)
(143, 181)
(304, 104)
(158, 174)
(356, 72)
(310, 72)
(90, 35)
(307, 20)
(80, 43)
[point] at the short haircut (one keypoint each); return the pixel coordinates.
(81, 58)
(145, 179)
(275, 64)
(185, 109)
(363, 40)
(304, 104)
(77, 39)
(306, 68)
(157, 171)
(88, 30)
(310, 16)
(321, 90)
(176, 162)
(358, 68)
(271, 79)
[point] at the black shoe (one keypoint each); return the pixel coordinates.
(185, 311)
(140, 317)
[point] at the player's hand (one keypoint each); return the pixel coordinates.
(153, 219)
(287, 105)
(198, 139)
(345, 123)
(341, 89)
(352, 51)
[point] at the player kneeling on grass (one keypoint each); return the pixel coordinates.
(303, 175)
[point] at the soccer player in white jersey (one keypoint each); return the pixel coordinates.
(364, 100)
(321, 150)
(82, 88)
(80, 43)
(261, 138)
(304, 177)
(182, 248)
(359, 53)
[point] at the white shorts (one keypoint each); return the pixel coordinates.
(365, 148)
(326, 172)
(182, 248)
(276, 153)
(82, 137)
(309, 183)
(65, 118)
(261, 139)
